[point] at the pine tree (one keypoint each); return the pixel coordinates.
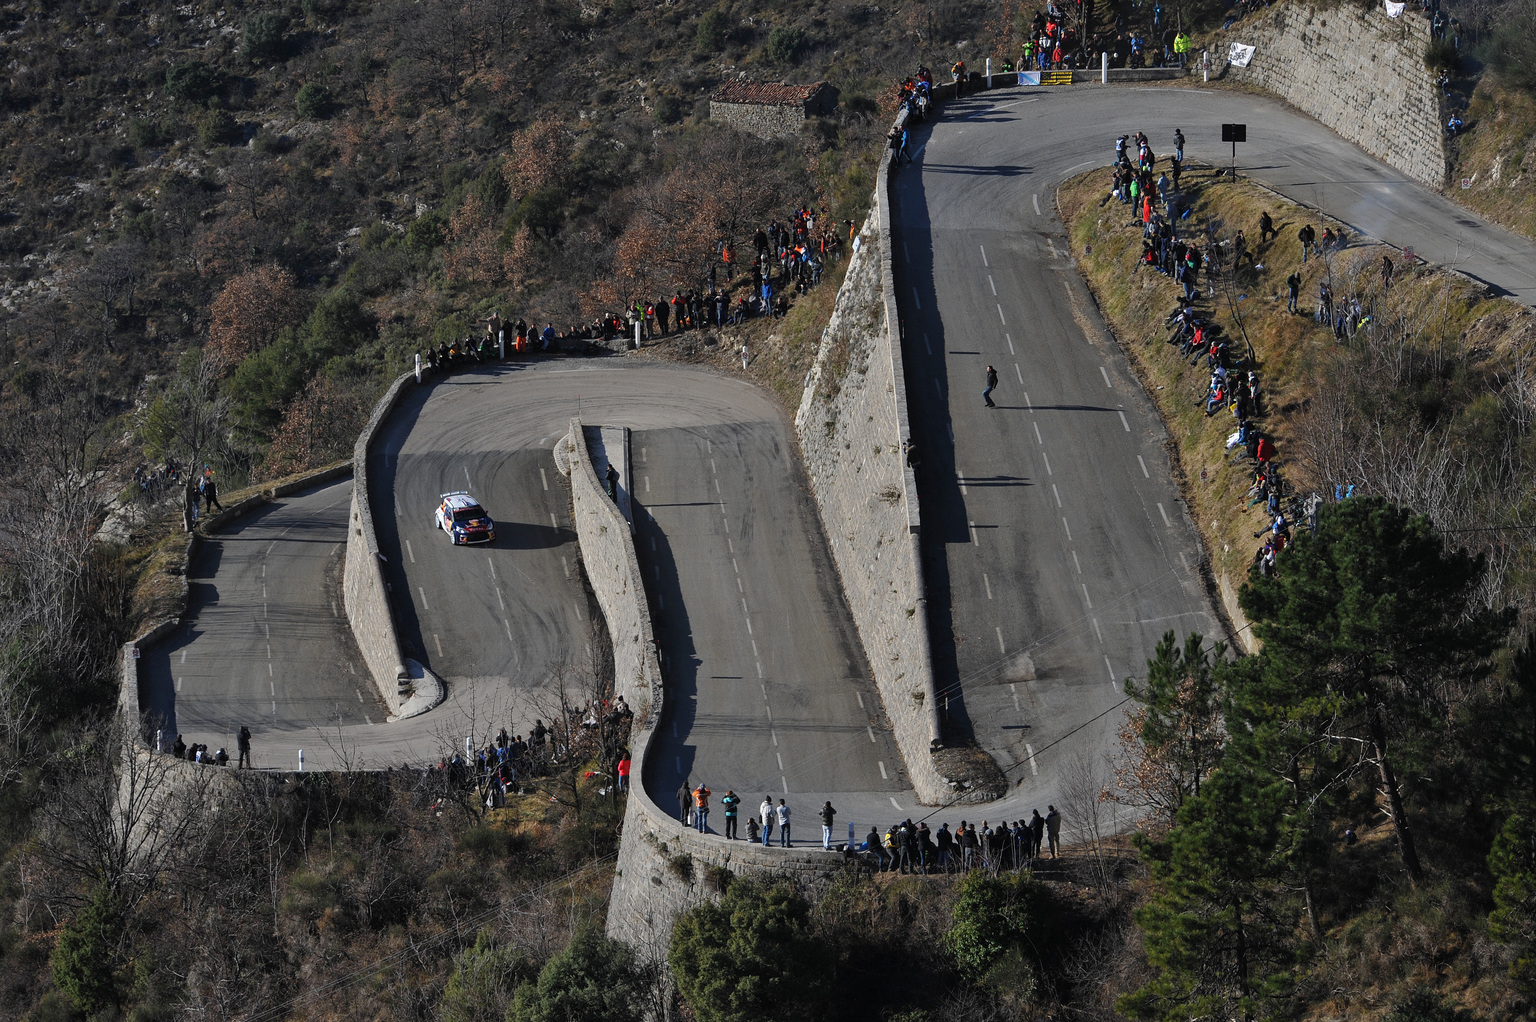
(1371, 634)
(1218, 925)
(1174, 738)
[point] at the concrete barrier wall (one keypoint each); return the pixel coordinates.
(363, 588)
(1359, 72)
(664, 867)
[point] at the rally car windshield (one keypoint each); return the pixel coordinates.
(464, 514)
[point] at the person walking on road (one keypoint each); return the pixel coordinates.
(684, 801)
(783, 816)
(1053, 829)
(728, 803)
(701, 808)
(828, 814)
(766, 812)
(210, 495)
(243, 743)
(986, 395)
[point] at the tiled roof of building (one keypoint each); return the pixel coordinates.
(765, 94)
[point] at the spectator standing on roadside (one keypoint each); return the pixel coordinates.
(684, 800)
(828, 814)
(728, 803)
(1293, 284)
(623, 770)
(1053, 829)
(701, 808)
(1036, 833)
(1266, 227)
(766, 812)
(782, 814)
(243, 744)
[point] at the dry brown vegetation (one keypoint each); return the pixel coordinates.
(1428, 404)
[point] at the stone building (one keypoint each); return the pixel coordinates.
(770, 111)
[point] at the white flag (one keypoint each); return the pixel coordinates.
(1240, 55)
(1394, 10)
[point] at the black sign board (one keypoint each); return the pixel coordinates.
(1234, 132)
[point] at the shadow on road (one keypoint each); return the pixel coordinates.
(672, 760)
(928, 384)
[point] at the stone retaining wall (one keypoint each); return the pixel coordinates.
(1359, 72)
(363, 588)
(851, 423)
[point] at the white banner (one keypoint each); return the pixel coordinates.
(1240, 55)
(1394, 10)
(1029, 77)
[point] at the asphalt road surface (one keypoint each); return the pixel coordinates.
(770, 692)
(266, 642)
(1050, 604)
(1056, 546)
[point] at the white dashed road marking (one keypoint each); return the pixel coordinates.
(1105, 373)
(1047, 459)
(1038, 438)
(1037, 205)
(994, 285)
(423, 593)
(1034, 770)
(1064, 525)
(1125, 422)
(1057, 494)
(974, 540)
(1142, 462)
(883, 775)
(544, 478)
(988, 583)
(1001, 316)
(915, 299)
(1166, 522)
(984, 256)
(1086, 597)
(1000, 647)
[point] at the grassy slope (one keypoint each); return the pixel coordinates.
(1384, 939)
(1294, 353)
(1498, 153)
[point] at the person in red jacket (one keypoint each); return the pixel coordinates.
(1265, 451)
(623, 770)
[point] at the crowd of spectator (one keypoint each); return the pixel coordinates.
(788, 260)
(904, 847)
(510, 763)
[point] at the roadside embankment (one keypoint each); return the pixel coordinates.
(1396, 388)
